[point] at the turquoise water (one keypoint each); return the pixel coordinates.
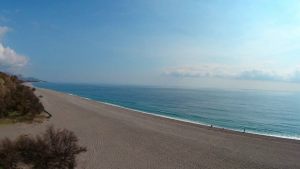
(262, 112)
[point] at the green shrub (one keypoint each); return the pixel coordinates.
(17, 98)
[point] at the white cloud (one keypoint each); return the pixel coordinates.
(10, 59)
(3, 30)
(235, 72)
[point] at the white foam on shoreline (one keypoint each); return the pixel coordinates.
(188, 121)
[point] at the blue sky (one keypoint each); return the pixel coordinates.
(190, 43)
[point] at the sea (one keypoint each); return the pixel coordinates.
(271, 113)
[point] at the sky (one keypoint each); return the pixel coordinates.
(247, 44)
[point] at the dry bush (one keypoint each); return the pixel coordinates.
(55, 149)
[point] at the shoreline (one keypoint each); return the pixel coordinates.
(197, 124)
(185, 120)
(121, 138)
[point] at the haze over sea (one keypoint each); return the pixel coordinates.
(261, 112)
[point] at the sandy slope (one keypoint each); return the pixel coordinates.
(119, 138)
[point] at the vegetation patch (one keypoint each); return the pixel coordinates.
(17, 101)
(55, 149)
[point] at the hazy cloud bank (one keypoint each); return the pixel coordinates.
(232, 72)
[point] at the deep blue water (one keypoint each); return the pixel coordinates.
(262, 112)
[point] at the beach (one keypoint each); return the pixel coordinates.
(120, 138)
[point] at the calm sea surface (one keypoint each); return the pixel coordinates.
(262, 112)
